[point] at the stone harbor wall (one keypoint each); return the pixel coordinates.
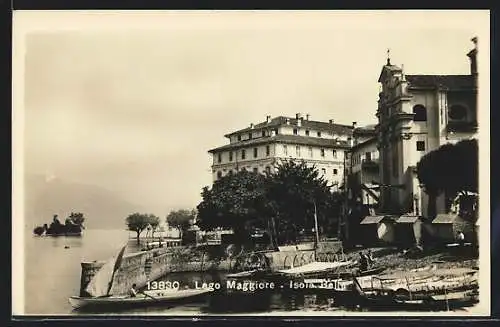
(141, 267)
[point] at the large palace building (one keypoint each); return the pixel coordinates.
(260, 147)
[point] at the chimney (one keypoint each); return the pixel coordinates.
(268, 119)
(354, 124)
(307, 117)
(251, 125)
(331, 121)
(298, 116)
(473, 57)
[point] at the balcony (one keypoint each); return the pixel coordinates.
(370, 164)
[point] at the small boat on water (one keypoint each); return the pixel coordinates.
(141, 299)
(101, 298)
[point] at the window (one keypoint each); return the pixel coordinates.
(368, 156)
(263, 133)
(243, 154)
(239, 137)
(335, 171)
(323, 170)
(219, 174)
(310, 151)
(230, 155)
(255, 152)
(297, 150)
(420, 113)
(420, 146)
(276, 131)
(295, 131)
(230, 173)
(319, 134)
(268, 150)
(249, 136)
(457, 112)
(219, 157)
(334, 152)
(285, 150)
(307, 133)
(256, 170)
(268, 169)
(322, 152)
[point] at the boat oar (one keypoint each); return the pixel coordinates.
(156, 299)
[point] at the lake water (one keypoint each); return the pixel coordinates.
(52, 275)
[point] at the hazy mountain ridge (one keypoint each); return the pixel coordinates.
(102, 208)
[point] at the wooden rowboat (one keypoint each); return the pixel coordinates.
(145, 298)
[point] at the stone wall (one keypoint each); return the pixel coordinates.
(141, 267)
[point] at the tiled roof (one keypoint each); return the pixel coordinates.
(451, 82)
(289, 139)
(445, 218)
(314, 125)
(372, 220)
(361, 144)
(407, 219)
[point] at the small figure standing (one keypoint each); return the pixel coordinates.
(363, 261)
(461, 238)
(133, 291)
(370, 259)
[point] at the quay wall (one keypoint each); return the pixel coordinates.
(141, 267)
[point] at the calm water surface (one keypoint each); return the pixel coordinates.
(52, 275)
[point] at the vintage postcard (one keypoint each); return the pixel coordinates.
(197, 163)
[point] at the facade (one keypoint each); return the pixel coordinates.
(417, 114)
(364, 167)
(260, 147)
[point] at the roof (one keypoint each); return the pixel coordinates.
(314, 125)
(445, 218)
(407, 219)
(365, 130)
(288, 139)
(372, 220)
(386, 68)
(361, 144)
(451, 82)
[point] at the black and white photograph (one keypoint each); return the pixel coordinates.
(251, 163)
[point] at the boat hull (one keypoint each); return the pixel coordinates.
(124, 301)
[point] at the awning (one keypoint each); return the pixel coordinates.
(445, 218)
(372, 220)
(407, 219)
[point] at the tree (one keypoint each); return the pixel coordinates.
(138, 222)
(77, 218)
(181, 219)
(235, 201)
(293, 192)
(451, 169)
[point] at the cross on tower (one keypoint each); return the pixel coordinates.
(388, 56)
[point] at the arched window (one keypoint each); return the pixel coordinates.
(420, 113)
(457, 112)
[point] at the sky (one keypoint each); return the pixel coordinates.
(132, 102)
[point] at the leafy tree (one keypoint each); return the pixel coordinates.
(295, 192)
(235, 201)
(138, 222)
(451, 169)
(181, 219)
(77, 218)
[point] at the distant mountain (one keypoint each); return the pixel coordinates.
(102, 208)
